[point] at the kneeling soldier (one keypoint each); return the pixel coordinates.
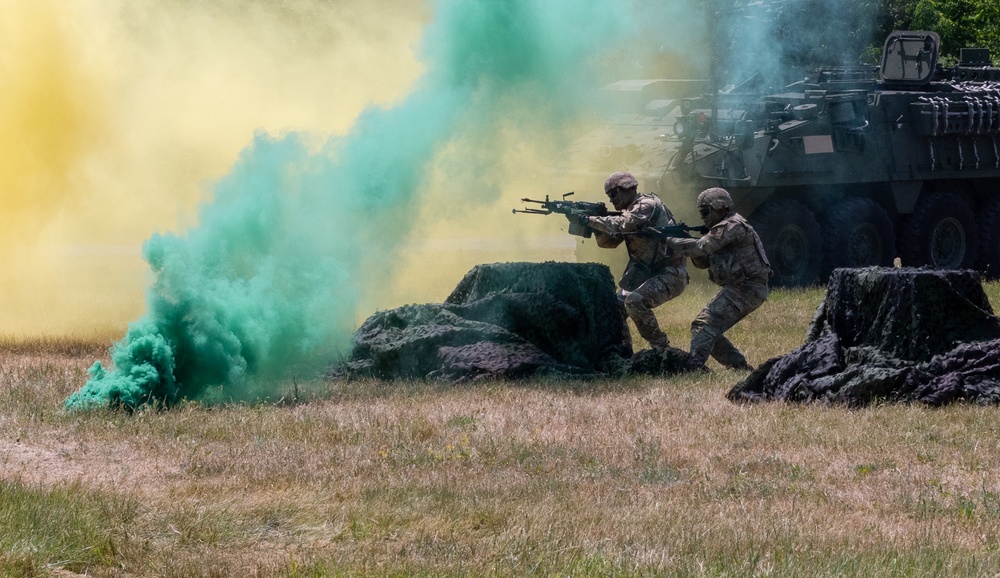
(735, 259)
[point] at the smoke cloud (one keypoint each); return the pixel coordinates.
(777, 42)
(387, 143)
(117, 115)
(269, 281)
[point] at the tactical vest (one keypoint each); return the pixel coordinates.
(639, 269)
(742, 259)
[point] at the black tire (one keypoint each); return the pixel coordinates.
(792, 242)
(940, 233)
(857, 233)
(989, 239)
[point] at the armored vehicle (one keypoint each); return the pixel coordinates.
(847, 167)
(856, 166)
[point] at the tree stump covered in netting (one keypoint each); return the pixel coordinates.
(887, 334)
(503, 320)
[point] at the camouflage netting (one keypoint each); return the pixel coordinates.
(895, 335)
(506, 320)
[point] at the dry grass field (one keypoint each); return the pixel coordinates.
(656, 477)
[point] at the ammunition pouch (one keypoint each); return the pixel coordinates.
(577, 228)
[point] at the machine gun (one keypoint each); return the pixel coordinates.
(573, 209)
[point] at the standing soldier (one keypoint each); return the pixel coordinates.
(735, 259)
(654, 274)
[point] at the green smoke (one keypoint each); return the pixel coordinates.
(268, 283)
(774, 43)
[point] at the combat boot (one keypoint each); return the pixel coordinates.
(696, 367)
(650, 330)
(660, 341)
(702, 342)
(725, 353)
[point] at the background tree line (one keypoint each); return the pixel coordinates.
(777, 39)
(837, 32)
(960, 23)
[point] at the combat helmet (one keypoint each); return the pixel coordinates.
(621, 180)
(716, 197)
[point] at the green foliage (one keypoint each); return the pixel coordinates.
(946, 17)
(960, 23)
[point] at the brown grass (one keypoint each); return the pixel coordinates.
(632, 477)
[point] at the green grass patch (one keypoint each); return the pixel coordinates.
(61, 527)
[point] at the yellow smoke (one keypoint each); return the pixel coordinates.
(117, 115)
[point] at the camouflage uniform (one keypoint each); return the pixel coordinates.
(735, 259)
(654, 274)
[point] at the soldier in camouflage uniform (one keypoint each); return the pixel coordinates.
(734, 257)
(654, 274)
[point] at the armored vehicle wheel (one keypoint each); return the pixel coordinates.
(989, 239)
(857, 233)
(940, 233)
(792, 241)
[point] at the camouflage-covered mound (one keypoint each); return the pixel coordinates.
(506, 320)
(890, 335)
